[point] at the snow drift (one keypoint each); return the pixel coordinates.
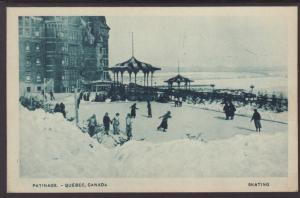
(51, 147)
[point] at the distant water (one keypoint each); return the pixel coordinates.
(271, 82)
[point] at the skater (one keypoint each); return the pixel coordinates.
(84, 96)
(81, 95)
(44, 95)
(226, 110)
(62, 109)
(231, 110)
(164, 123)
(52, 95)
(88, 96)
(176, 102)
(149, 109)
(256, 117)
(106, 122)
(133, 110)
(180, 101)
(92, 125)
(128, 127)
(116, 124)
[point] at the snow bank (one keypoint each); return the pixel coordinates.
(52, 147)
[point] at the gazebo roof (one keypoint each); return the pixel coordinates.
(178, 79)
(134, 65)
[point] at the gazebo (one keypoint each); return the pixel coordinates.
(179, 79)
(133, 66)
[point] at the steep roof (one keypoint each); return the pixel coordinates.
(178, 78)
(134, 65)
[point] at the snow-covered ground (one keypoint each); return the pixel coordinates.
(198, 143)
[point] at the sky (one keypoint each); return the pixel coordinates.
(201, 42)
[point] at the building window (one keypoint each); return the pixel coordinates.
(38, 61)
(64, 61)
(39, 88)
(27, 32)
(28, 78)
(37, 47)
(60, 35)
(104, 51)
(27, 47)
(37, 33)
(38, 78)
(28, 89)
(27, 62)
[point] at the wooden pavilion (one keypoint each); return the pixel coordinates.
(179, 79)
(133, 66)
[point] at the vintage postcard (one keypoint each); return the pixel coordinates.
(152, 99)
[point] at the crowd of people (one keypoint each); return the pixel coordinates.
(107, 121)
(60, 108)
(229, 110)
(115, 122)
(30, 103)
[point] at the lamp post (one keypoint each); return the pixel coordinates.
(76, 103)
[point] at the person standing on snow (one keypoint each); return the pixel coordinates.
(164, 122)
(92, 125)
(51, 95)
(231, 110)
(133, 110)
(62, 109)
(56, 108)
(256, 117)
(149, 109)
(128, 126)
(44, 95)
(106, 122)
(226, 110)
(116, 124)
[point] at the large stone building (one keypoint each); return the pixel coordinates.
(57, 51)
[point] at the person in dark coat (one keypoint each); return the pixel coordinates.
(62, 109)
(256, 117)
(106, 122)
(44, 95)
(52, 95)
(128, 127)
(56, 108)
(81, 95)
(92, 125)
(88, 96)
(116, 124)
(164, 123)
(149, 109)
(226, 110)
(84, 96)
(231, 110)
(133, 110)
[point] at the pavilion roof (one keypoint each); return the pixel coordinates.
(134, 65)
(178, 79)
